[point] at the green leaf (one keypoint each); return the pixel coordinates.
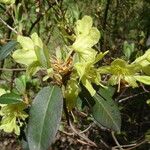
(10, 98)
(45, 116)
(7, 49)
(86, 37)
(21, 84)
(131, 81)
(33, 68)
(83, 25)
(89, 86)
(71, 91)
(110, 90)
(105, 111)
(25, 42)
(146, 69)
(87, 55)
(36, 40)
(100, 56)
(143, 79)
(40, 56)
(128, 49)
(27, 54)
(2, 91)
(146, 56)
(87, 41)
(25, 57)
(81, 69)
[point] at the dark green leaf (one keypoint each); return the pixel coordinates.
(109, 90)
(105, 111)
(7, 49)
(10, 98)
(45, 116)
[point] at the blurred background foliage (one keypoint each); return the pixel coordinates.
(117, 20)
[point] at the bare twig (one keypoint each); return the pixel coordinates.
(87, 128)
(105, 144)
(67, 133)
(82, 142)
(82, 136)
(8, 26)
(142, 85)
(124, 146)
(121, 94)
(132, 146)
(127, 147)
(132, 96)
(116, 141)
(137, 145)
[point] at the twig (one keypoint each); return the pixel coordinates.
(87, 128)
(137, 145)
(124, 146)
(121, 94)
(132, 96)
(82, 142)
(82, 136)
(142, 85)
(105, 144)
(116, 141)
(81, 132)
(8, 26)
(67, 133)
(13, 69)
(132, 146)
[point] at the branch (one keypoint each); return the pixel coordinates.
(132, 96)
(130, 146)
(82, 136)
(8, 26)
(116, 141)
(137, 145)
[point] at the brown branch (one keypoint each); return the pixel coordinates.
(82, 136)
